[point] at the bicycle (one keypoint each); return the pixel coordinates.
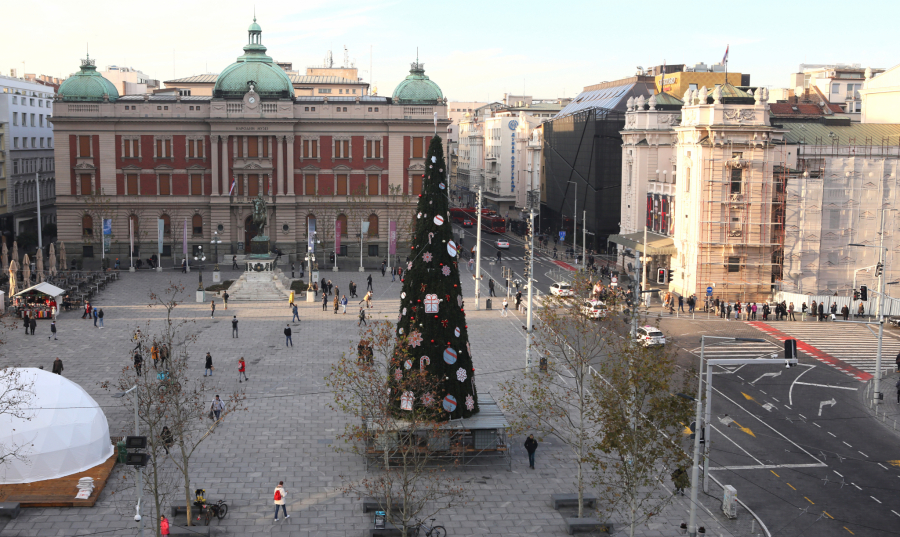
(217, 510)
(430, 531)
(166, 383)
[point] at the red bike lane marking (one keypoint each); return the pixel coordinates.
(819, 355)
(565, 265)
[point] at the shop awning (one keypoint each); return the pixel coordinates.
(656, 244)
(44, 288)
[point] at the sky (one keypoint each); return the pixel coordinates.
(474, 50)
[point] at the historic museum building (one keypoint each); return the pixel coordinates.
(195, 162)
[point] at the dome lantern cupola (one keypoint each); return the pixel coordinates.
(254, 67)
(87, 85)
(417, 88)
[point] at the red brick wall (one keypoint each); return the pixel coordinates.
(147, 184)
(180, 184)
(326, 184)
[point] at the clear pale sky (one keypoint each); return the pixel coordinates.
(474, 50)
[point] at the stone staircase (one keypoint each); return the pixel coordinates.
(260, 287)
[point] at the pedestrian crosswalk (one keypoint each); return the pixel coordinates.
(853, 344)
(737, 349)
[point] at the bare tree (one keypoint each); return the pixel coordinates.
(16, 394)
(395, 424)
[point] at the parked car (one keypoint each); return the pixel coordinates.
(503, 245)
(594, 309)
(561, 289)
(650, 336)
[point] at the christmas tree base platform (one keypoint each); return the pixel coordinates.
(480, 440)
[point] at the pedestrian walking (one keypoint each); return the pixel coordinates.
(280, 493)
(57, 366)
(681, 303)
(330, 288)
(209, 365)
(369, 283)
(25, 322)
(242, 370)
(163, 356)
(861, 310)
(845, 311)
(362, 317)
(352, 289)
(728, 314)
(154, 354)
(324, 299)
(217, 407)
(393, 273)
(138, 361)
(680, 480)
(52, 330)
(803, 310)
(491, 287)
(234, 327)
(315, 289)
(225, 299)
(344, 304)
(184, 266)
(287, 336)
(505, 311)
(296, 316)
(291, 299)
(292, 271)
(531, 446)
(821, 311)
(791, 312)
(337, 302)
(95, 314)
(212, 308)
(367, 299)
(33, 324)
(87, 311)
(163, 521)
(234, 264)
(518, 300)
(100, 317)
(383, 268)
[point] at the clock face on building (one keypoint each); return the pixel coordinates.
(251, 100)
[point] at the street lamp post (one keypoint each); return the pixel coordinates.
(216, 240)
(140, 473)
(529, 283)
(478, 252)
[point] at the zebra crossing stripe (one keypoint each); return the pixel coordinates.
(819, 355)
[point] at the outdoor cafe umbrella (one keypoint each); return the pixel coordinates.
(62, 255)
(52, 260)
(15, 255)
(13, 268)
(40, 266)
(4, 256)
(26, 271)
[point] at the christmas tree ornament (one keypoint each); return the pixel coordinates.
(406, 401)
(415, 338)
(444, 323)
(441, 185)
(434, 158)
(408, 364)
(427, 257)
(449, 403)
(424, 361)
(470, 402)
(456, 331)
(450, 356)
(403, 295)
(461, 375)
(431, 303)
(430, 236)
(438, 220)
(428, 399)
(446, 270)
(451, 249)
(398, 375)
(404, 311)
(419, 215)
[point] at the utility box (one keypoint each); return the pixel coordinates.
(729, 502)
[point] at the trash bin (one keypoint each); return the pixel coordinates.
(123, 452)
(487, 304)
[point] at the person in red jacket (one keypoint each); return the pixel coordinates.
(163, 525)
(242, 370)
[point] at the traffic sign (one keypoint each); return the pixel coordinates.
(562, 235)
(709, 291)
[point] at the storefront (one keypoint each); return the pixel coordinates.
(38, 301)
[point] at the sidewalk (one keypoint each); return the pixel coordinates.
(288, 431)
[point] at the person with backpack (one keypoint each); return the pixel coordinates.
(234, 327)
(100, 317)
(138, 360)
(680, 480)
(217, 407)
(242, 370)
(95, 314)
(362, 317)
(209, 366)
(280, 493)
(287, 333)
(225, 299)
(52, 330)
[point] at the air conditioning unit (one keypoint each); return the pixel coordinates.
(729, 502)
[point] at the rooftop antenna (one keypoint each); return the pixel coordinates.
(346, 57)
(371, 76)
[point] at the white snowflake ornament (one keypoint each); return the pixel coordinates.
(446, 270)
(433, 159)
(460, 374)
(427, 257)
(470, 402)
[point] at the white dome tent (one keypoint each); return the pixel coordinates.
(67, 433)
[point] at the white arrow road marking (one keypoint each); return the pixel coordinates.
(830, 402)
(768, 406)
(726, 421)
(764, 375)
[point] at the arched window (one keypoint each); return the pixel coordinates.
(87, 225)
(342, 218)
(373, 225)
(135, 225)
(197, 224)
(167, 224)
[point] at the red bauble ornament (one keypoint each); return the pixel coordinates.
(435, 316)
(432, 341)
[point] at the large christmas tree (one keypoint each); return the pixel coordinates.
(432, 317)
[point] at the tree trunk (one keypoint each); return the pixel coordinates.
(581, 443)
(187, 486)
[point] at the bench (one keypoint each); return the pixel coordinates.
(388, 530)
(571, 500)
(371, 504)
(10, 509)
(587, 525)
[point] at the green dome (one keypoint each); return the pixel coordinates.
(417, 88)
(87, 85)
(254, 67)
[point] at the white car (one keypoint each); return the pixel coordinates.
(561, 289)
(650, 336)
(594, 309)
(504, 245)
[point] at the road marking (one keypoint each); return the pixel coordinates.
(846, 444)
(848, 529)
(787, 407)
(768, 406)
(817, 425)
(776, 400)
(763, 392)
(829, 516)
(874, 498)
(838, 473)
(812, 502)
(791, 390)
(745, 429)
(764, 375)
(883, 466)
(748, 397)
(832, 434)
(855, 485)
(863, 454)
(894, 463)
(759, 462)
(895, 512)
(792, 486)
(768, 466)
(776, 475)
(802, 416)
(831, 402)
(826, 386)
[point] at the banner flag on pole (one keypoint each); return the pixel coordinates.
(392, 237)
(337, 238)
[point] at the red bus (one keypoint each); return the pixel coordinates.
(493, 224)
(458, 215)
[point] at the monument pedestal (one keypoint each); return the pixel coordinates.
(217, 277)
(201, 296)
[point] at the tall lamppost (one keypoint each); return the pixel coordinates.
(140, 472)
(217, 241)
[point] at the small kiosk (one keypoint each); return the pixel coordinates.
(38, 301)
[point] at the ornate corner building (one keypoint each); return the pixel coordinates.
(196, 162)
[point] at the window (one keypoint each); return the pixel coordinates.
(373, 250)
(834, 219)
(265, 185)
(376, 108)
(86, 188)
(340, 91)
(310, 149)
(324, 90)
(343, 251)
(15, 118)
(341, 184)
(687, 181)
(87, 226)
(253, 146)
(342, 149)
(373, 181)
(15, 141)
(342, 219)
(370, 109)
(164, 186)
(373, 148)
(736, 175)
(41, 120)
(674, 173)
(32, 120)
(15, 100)
(240, 146)
(84, 146)
(197, 224)
(16, 166)
(167, 224)
(196, 184)
(417, 148)
(309, 187)
(31, 102)
(253, 185)
(345, 109)
(131, 184)
(836, 88)
(734, 264)
(33, 141)
(195, 148)
(87, 250)
(373, 226)
(416, 185)
(130, 148)
(163, 148)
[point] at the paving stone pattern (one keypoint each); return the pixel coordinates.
(290, 438)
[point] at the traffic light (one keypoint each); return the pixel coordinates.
(671, 275)
(879, 268)
(661, 275)
(863, 292)
(855, 294)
